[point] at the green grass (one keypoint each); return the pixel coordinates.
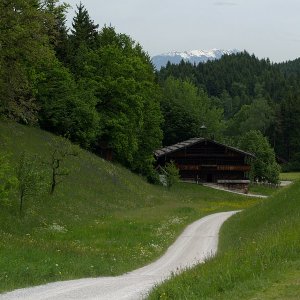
(263, 189)
(288, 287)
(102, 219)
(290, 176)
(259, 255)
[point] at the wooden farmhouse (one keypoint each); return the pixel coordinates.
(207, 161)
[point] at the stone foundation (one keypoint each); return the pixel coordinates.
(238, 185)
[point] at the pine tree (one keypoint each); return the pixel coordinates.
(84, 31)
(84, 39)
(57, 29)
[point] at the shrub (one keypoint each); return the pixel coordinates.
(172, 174)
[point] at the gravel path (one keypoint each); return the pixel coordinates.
(217, 187)
(197, 242)
(285, 182)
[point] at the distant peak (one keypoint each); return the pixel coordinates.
(193, 56)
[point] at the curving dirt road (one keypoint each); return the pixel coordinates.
(197, 242)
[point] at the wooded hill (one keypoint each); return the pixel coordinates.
(96, 87)
(253, 94)
(99, 88)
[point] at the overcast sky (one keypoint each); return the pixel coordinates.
(267, 28)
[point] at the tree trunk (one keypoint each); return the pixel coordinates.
(53, 184)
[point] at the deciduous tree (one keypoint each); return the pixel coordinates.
(264, 166)
(24, 46)
(61, 151)
(7, 179)
(30, 178)
(172, 174)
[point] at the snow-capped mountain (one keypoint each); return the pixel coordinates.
(193, 56)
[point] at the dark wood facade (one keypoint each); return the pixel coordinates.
(204, 160)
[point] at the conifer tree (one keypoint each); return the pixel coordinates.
(57, 29)
(84, 31)
(83, 39)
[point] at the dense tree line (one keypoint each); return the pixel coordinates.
(253, 95)
(99, 88)
(95, 86)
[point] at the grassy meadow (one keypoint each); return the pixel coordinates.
(258, 257)
(269, 190)
(290, 176)
(263, 189)
(101, 220)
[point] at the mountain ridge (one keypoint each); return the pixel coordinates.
(193, 56)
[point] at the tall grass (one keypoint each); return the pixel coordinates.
(260, 189)
(290, 176)
(101, 220)
(259, 247)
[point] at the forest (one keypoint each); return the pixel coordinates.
(99, 88)
(245, 94)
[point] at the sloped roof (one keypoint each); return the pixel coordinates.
(173, 148)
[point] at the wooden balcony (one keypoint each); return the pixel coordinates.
(242, 168)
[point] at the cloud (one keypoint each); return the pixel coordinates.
(225, 3)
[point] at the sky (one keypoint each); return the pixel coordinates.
(267, 28)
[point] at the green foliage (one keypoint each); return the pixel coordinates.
(185, 109)
(99, 88)
(264, 166)
(25, 46)
(291, 67)
(83, 39)
(67, 107)
(84, 31)
(254, 94)
(57, 30)
(172, 174)
(290, 115)
(94, 87)
(255, 116)
(128, 100)
(30, 178)
(293, 165)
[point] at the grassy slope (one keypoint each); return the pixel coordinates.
(270, 190)
(259, 256)
(263, 190)
(290, 176)
(102, 220)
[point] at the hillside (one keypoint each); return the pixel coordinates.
(251, 93)
(259, 256)
(101, 220)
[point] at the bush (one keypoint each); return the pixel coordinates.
(172, 174)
